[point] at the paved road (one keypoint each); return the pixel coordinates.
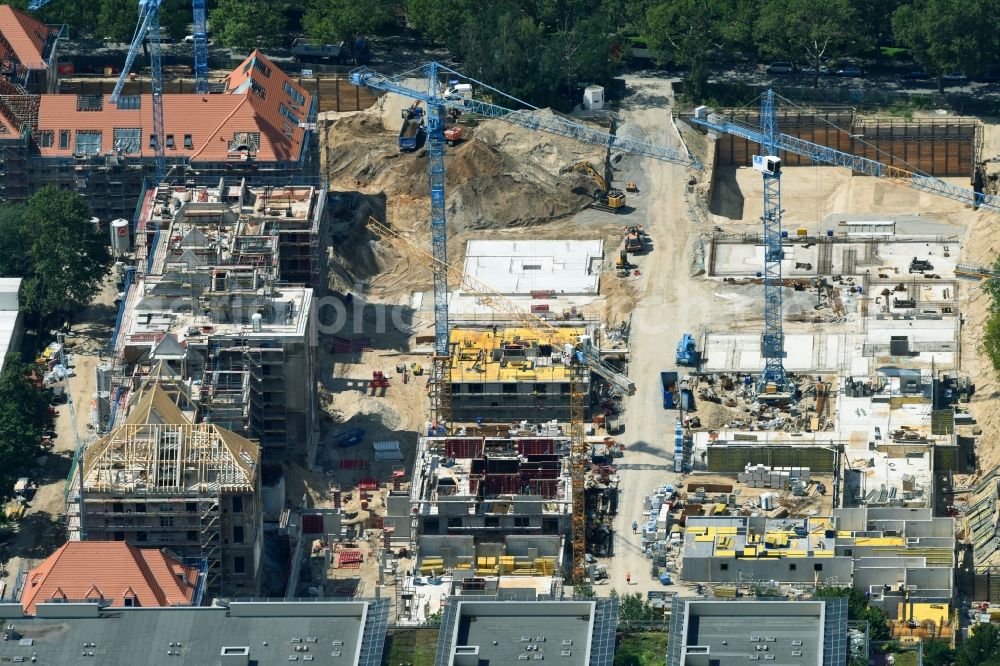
(670, 303)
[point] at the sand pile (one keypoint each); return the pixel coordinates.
(500, 176)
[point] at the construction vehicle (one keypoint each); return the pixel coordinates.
(687, 354)
(379, 382)
(412, 128)
(623, 264)
(920, 265)
(605, 198)
(635, 239)
(453, 135)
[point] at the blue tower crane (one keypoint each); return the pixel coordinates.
(200, 47)
(438, 102)
(200, 23)
(149, 26)
(772, 142)
(818, 154)
(774, 380)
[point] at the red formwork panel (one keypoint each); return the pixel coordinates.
(463, 447)
(536, 447)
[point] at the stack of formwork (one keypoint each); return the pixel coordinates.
(762, 476)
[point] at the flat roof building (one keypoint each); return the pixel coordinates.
(709, 632)
(504, 373)
(523, 267)
(10, 317)
(487, 506)
(323, 632)
(495, 633)
(890, 553)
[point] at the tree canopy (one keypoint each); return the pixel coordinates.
(806, 30)
(248, 25)
(945, 35)
(51, 243)
(24, 418)
(327, 21)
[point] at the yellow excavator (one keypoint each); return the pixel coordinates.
(605, 198)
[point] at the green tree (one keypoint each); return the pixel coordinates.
(982, 647)
(685, 32)
(326, 21)
(116, 20)
(938, 653)
(14, 238)
(945, 35)
(858, 609)
(807, 30)
(440, 20)
(245, 26)
(875, 19)
(633, 608)
(63, 257)
(24, 417)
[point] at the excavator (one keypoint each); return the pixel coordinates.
(605, 198)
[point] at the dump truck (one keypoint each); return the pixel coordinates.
(412, 128)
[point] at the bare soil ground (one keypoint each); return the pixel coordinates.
(43, 527)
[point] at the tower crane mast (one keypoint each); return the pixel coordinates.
(582, 359)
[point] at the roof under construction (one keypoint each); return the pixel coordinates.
(512, 354)
(158, 450)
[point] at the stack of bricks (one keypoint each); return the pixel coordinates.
(762, 476)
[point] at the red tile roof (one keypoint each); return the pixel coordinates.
(213, 121)
(112, 570)
(25, 35)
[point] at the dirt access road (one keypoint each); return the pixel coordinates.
(670, 302)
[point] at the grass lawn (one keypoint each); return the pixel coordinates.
(908, 658)
(412, 646)
(648, 648)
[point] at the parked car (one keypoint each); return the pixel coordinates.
(781, 67)
(915, 75)
(955, 77)
(850, 70)
(810, 71)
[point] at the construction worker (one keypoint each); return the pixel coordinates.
(628, 578)
(635, 527)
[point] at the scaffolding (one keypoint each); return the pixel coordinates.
(159, 479)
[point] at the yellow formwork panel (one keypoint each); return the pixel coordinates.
(473, 356)
(725, 553)
(879, 541)
(795, 553)
(727, 530)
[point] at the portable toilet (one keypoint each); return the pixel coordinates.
(593, 98)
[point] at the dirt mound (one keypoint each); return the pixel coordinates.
(500, 176)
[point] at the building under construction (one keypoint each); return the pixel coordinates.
(487, 506)
(219, 293)
(503, 373)
(161, 480)
(255, 125)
